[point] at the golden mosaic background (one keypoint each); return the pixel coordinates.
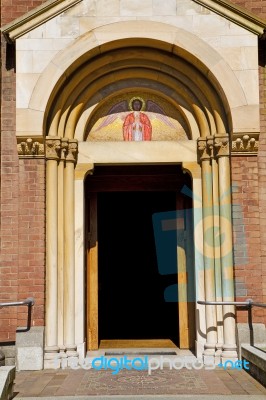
(114, 131)
(160, 130)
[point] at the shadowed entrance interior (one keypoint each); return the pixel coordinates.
(127, 284)
(131, 289)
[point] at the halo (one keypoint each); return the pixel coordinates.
(137, 98)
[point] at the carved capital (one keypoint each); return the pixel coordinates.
(52, 147)
(30, 147)
(204, 149)
(63, 149)
(72, 151)
(245, 143)
(221, 145)
(210, 145)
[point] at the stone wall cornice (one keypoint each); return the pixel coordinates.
(236, 14)
(35, 18)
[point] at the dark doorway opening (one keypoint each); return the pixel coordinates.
(131, 289)
(133, 228)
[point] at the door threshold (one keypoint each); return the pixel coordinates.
(137, 344)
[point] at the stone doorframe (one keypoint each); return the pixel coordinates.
(65, 302)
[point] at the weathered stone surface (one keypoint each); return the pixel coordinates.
(29, 349)
(7, 376)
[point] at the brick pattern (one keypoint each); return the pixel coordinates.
(13, 264)
(12, 9)
(262, 167)
(258, 7)
(31, 238)
(246, 229)
(9, 202)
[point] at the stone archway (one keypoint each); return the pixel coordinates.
(207, 110)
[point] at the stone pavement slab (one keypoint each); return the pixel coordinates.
(164, 383)
(148, 397)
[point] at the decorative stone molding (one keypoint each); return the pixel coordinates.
(35, 17)
(210, 145)
(30, 147)
(236, 14)
(221, 145)
(247, 143)
(61, 149)
(205, 148)
(52, 147)
(72, 151)
(203, 153)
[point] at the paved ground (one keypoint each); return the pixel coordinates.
(184, 383)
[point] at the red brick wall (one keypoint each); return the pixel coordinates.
(12, 9)
(258, 7)
(21, 268)
(262, 166)
(246, 228)
(31, 234)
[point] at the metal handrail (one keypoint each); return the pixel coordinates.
(29, 302)
(248, 303)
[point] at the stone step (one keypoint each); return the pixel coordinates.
(150, 397)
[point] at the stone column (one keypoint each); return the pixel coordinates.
(194, 169)
(69, 254)
(217, 256)
(61, 246)
(222, 151)
(205, 148)
(51, 323)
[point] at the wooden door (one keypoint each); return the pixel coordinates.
(182, 276)
(92, 274)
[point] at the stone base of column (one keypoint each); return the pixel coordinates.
(62, 351)
(219, 350)
(199, 349)
(72, 355)
(229, 353)
(71, 350)
(209, 353)
(51, 357)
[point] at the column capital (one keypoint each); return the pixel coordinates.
(221, 145)
(205, 148)
(63, 149)
(72, 151)
(52, 147)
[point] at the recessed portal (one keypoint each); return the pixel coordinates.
(137, 249)
(131, 288)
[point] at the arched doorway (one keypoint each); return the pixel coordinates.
(179, 79)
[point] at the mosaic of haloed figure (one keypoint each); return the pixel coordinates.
(137, 120)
